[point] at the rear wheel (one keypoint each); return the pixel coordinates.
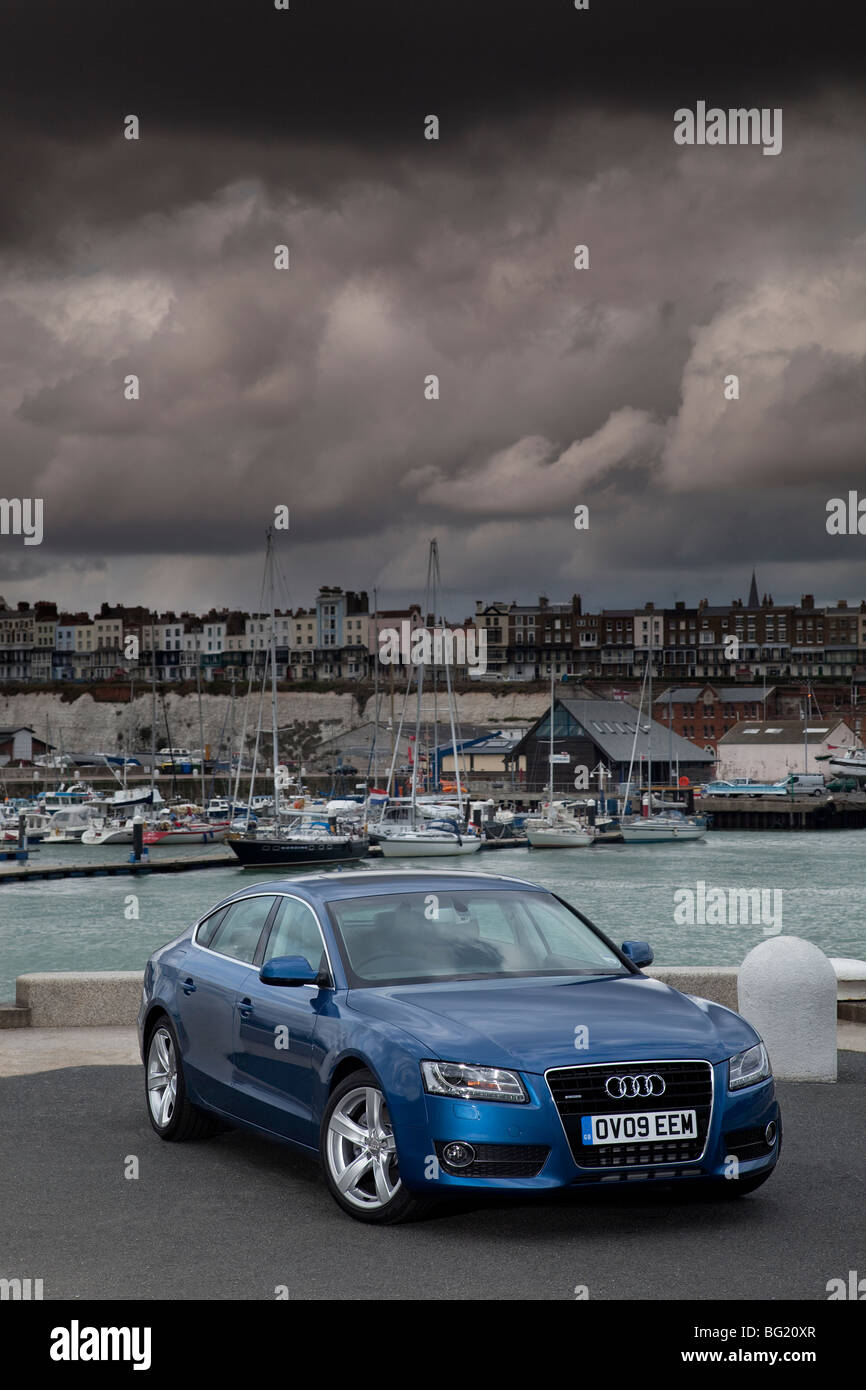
(359, 1155)
(171, 1113)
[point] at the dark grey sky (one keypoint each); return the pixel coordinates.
(411, 257)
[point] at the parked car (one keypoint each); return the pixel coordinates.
(795, 784)
(745, 788)
(435, 1034)
(806, 783)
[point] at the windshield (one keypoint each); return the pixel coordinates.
(406, 938)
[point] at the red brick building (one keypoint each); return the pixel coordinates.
(703, 713)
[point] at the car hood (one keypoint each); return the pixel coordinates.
(532, 1024)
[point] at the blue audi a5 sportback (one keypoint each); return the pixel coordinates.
(431, 1034)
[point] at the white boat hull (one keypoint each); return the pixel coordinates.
(554, 837)
(649, 834)
(406, 847)
(841, 767)
(200, 835)
(115, 835)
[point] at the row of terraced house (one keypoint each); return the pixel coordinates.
(338, 638)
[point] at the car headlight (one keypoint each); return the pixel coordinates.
(464, 1082)
(748, 1068)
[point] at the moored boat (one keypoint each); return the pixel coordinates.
(672, 825)
(558, 835)
(282, 848)
(188, 833)
(427, 843)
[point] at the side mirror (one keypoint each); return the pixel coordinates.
(638, 952)
(288, 970)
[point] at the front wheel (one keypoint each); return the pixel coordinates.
(359, 1155)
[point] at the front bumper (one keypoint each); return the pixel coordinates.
(524, 1148)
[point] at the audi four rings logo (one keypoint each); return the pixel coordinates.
(628, 1087)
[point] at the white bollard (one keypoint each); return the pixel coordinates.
(787, 991)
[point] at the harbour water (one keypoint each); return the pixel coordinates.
(628, 890)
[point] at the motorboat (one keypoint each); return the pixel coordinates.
(36, 825)
(851, 763)
(111, 830)
(68, 827)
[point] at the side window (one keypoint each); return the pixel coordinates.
(208, 927)
(493, 925)
(295, 932)
(238, 933)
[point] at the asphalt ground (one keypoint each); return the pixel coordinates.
(236, 1217)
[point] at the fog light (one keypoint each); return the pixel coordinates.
(458, 1155)
(770, 1134)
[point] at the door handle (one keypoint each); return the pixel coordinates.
(189, 985)
(245, 1008)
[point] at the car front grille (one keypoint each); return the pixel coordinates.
(579, 1091)
(499, 1160)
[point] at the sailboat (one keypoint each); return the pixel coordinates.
(555, 830)
(428, 838)
(661, 826)
(301, 842)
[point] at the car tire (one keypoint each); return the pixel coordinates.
(170, 1111)
(372, 1192)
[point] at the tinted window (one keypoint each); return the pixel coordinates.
(238, 933)
(209, 926)
(468, 934)
(295, 932)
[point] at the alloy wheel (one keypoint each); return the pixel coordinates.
(361, 1152)
(161, 1077)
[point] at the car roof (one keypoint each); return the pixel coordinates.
(367, 883)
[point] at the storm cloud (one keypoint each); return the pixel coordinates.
(412, 258)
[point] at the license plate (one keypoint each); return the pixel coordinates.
(646, 1125)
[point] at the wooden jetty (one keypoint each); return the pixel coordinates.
(23, 873)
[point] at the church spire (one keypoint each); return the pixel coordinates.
(754, 601)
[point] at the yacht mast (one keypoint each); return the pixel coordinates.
(275, 736)
(550, 758)
(649, 745)
(437, 584)
(152, 706)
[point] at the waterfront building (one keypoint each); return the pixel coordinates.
(704, 713)
(16, 641)
(19, 744)
(342, 633)
(766, 751)
(587, 732)
(493, 618)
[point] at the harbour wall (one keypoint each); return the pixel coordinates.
(111, 998)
